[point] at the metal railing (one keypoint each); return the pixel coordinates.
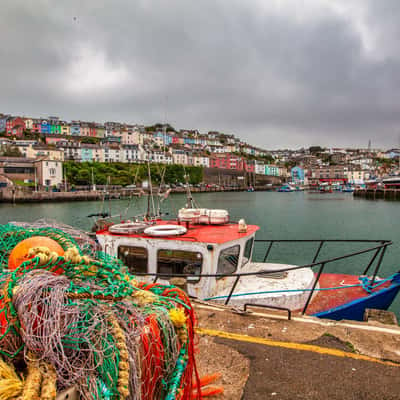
(378, 252)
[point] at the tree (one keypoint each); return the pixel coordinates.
(315, 149)
(83, 177)
(11, 151)
(160, 127)
(90, 140)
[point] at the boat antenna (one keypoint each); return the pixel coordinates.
(161, 171)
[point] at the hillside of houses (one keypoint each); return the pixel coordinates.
(56, 141)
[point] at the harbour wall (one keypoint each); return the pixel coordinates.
(243, 179)
(22, 195)
(375, 194)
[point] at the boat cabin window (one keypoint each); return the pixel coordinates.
(135, 258)
(180, 262)
(247, 251)
(228, 260)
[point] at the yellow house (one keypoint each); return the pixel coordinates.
(65, 129)
(44, 151)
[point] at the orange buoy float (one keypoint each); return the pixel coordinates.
(20, 253)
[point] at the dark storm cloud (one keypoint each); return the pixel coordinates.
(274, 73)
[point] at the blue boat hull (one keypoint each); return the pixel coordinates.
(355, 310)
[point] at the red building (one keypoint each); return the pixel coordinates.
(92, 129)
(227, 161)
(250, 165)
(15, 127)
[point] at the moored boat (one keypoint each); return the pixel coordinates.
(286, 188)
(216, 259)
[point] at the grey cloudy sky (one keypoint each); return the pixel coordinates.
(275, 73)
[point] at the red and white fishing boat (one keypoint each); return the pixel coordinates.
(215, 256)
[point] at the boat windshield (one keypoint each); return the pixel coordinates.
(247, 251)
(135, 258)
(180, 262)
(228, 260)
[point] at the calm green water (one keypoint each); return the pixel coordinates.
(294, 215)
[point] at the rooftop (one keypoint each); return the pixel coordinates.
(199, 233)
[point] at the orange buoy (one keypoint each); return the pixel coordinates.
(19, 253)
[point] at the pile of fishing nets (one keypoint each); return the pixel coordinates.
(71, 316)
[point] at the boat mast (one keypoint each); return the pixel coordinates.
(190, 203)
(150, 194)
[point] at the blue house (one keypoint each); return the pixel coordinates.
(394, 153)
(45, 127)
(166, 139)
(75, 129)
(271, 170)
(297, 174)
(3, 122)
(86, 154)
(188, 140)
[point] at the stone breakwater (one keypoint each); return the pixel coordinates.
(376, 194)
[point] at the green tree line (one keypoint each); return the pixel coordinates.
(127, 174)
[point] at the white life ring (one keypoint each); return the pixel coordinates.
(165, 230)
(128, 228)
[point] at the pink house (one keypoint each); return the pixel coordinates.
(92, 129)
(177, 140)
(54, 140)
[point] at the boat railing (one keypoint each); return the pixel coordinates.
(377, 254)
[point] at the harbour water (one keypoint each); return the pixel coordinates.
(296, 215)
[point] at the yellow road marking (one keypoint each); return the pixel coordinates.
(291, 345)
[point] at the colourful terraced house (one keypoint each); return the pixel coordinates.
(177, 140)
(100, 131)
(86, 154)
(271, 170)
(45, 127)
(3, 122)
(55, 129)
(75, 128)
(64, 128)
(36, 126)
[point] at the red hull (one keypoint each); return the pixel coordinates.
(327, 299)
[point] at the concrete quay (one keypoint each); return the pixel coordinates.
(262, 355)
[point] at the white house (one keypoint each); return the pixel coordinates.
(179, 156)
(112, 154)
(49, 172)
(260, 168)
(130, 153)
(199, 160)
